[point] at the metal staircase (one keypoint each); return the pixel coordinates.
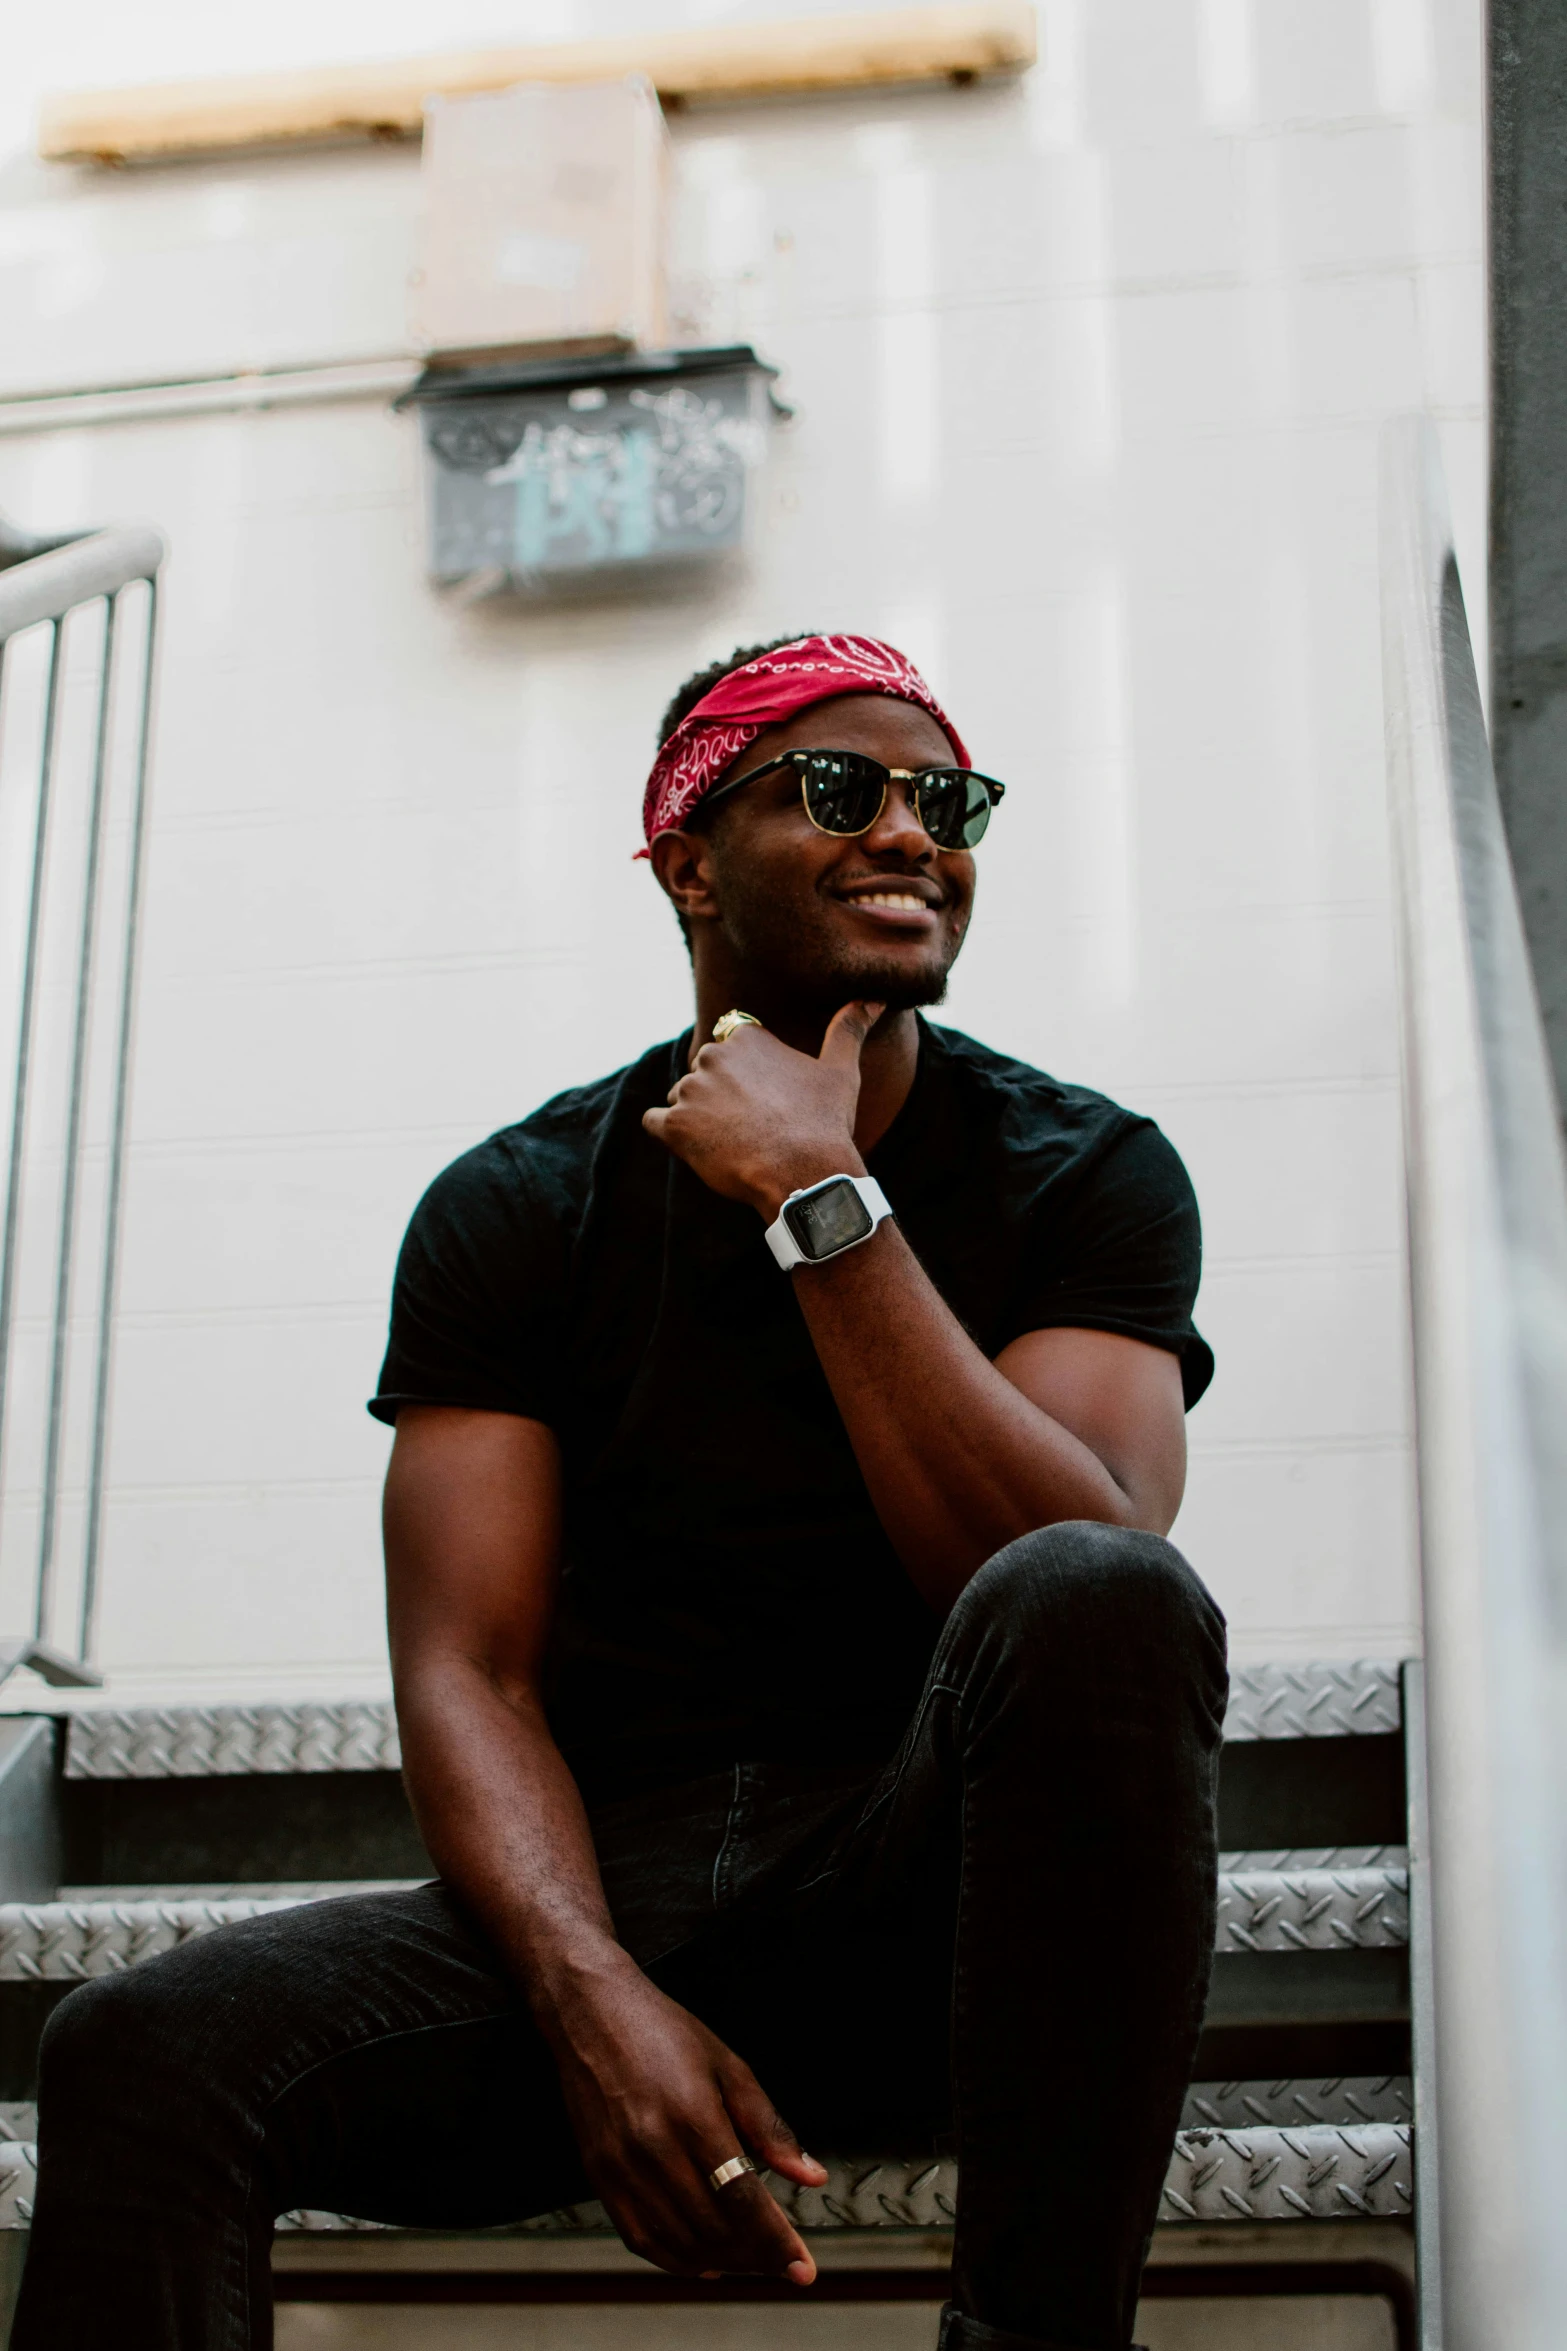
(125, 1833)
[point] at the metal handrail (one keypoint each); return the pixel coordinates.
(49, 585)
(1487, 1206)
(42, 582)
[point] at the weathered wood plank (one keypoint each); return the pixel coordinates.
(385, 100)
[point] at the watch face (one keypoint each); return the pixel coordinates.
(829, 1220)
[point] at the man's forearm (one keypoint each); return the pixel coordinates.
(957, 1460)
(958, 1455)
(504, 1824)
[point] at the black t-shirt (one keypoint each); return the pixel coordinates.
(728, 1593)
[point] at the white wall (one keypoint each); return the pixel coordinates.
(1089, 372)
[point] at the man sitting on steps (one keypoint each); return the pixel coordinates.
(796, 1689)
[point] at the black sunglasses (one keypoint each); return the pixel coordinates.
(845, 792)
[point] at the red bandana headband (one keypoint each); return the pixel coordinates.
(761, 694)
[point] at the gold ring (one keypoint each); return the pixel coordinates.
(738, 2165)
(727, 1023)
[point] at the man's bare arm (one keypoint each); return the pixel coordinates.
(472, 1512)
(960, 1455)
(472, 1521)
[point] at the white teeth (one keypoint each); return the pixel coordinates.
(903, 900)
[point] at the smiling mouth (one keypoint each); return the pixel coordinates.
(893, 901)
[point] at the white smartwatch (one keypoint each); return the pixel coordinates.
(825, 1219)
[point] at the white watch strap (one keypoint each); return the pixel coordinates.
(786, 1249)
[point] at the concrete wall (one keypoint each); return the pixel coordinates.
(1089, 371)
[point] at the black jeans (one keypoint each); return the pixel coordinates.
(1000, 1942)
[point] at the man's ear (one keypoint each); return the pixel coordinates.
(683, 863)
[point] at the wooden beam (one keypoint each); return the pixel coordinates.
(956, 42)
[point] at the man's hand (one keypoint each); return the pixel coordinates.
(657, 2103)
(756, 1120)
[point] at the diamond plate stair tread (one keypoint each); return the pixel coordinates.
(1351, 1898)
(240, 1890)
(68, 1941)
(185, 1742)
(1334, 1900)
(1348, 2099)
(1324, 1701)
(198, 1742)
(1363, 2171)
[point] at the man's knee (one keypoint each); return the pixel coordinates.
(1083, 1599)
(1085, 1570)
(141, 2044)
(107, 2036)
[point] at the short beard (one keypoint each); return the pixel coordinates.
(816, 994)
(896, 991)
(770, 939)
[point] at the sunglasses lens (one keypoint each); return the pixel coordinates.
(843, 791)
(954, 808)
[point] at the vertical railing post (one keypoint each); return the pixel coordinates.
(16, 1157)
(97, 1466)
(60, 1338)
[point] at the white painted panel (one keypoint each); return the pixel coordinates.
(1312, 1170)
(260, 1591)
(1311, 1349)
(277, 1223)
(1309, 1552)
(150, 277)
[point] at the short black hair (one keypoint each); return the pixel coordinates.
(690, 694)
(685, 700)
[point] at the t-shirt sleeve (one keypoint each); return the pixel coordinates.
(477, 1304)
(1123, 1253)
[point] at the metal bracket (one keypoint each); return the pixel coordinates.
(62, 1673)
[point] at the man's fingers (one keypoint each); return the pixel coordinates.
(846, 1033)
(769, 2241)
(661, 2197)
(764, 2130)
(674, 2216)
(670, 2217)
(755, 2231)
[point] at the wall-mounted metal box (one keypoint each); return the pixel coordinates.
(538, 475)
(544, 220)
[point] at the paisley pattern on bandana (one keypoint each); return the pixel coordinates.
(759, 695)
